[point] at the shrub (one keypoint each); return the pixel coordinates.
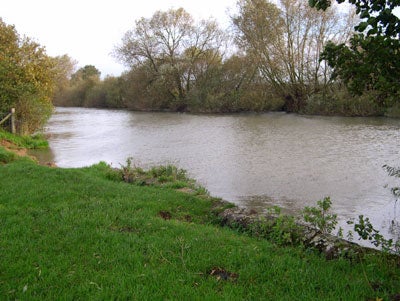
(319, 217)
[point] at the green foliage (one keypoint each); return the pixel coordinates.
(27, 79)
(279, 64)
(394, 172)
(278, 227)
(371, 61)
(393, 111)
(369, 64)
(88, 72)
(376, 14)
(166, 176)
(84, 89)
(319, 216)
(285, 231)
(64, 67)
(341, 102)
(366, 231)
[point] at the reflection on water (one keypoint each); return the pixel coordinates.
(252, 160)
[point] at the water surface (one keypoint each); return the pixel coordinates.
(253, 160)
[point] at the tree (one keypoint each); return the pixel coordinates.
(64, 67)
(86, 73)
(285, 41)
(168, 49)
(26, 79)
(233, 85)
(81, 85)
(371, 61)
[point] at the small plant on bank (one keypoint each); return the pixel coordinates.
(366, 231)
(277, 227)
(394, 172)
(319, 217)
(131, 173)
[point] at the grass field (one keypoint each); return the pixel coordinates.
(78, 234)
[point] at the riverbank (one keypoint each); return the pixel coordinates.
(80, 233)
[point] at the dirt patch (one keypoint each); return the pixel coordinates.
(166, 215)
(186, 190)
(22, 152)
(222, 274)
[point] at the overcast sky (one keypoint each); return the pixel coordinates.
(88, 30)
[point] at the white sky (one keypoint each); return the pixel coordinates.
(88, 30)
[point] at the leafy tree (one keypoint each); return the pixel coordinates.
(88, 72)
(26, 79)
(232, 86)
(146, 90)
(114, 96)
(371, 61)
(82, 90)
(64, 67)
(107, 93)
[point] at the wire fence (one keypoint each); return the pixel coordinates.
(7, 121)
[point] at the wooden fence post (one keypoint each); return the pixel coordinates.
(13, 130)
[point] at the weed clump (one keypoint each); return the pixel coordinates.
(168, 176)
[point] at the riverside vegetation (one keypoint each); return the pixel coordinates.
(276, 55)
(104, 233)
(282, 55)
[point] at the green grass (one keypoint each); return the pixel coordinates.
(6, 156)
(31, 142)
(74, 234)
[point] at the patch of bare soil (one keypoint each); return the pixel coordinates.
(222, 274)
(166, 215)
(22, 152)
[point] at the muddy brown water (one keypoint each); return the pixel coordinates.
(253, 160)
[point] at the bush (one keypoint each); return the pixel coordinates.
(277, 227)
(394, 111)
(319, 217)
(342, 103)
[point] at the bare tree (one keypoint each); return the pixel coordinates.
(174, 48)
(286, 41)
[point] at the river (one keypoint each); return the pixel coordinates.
(253, 160)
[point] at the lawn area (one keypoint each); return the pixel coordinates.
(78, 234)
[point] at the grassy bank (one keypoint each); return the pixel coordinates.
(12, 146)
(78, 234)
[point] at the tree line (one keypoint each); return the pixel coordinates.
(286, 56)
